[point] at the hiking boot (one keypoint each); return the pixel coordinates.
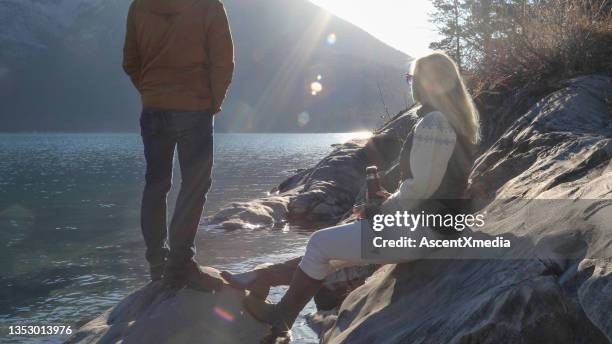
(275, 337)
(255, 281)
(193, 276)
(259, 280)
(282, 315)
(157, 271)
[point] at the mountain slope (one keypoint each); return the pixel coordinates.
(60, 69)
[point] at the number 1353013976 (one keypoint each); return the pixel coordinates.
(39, 330)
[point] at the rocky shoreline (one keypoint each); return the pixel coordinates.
(559, 148)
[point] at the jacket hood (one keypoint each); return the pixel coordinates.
(168, 6)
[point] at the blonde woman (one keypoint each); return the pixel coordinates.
(436, 168)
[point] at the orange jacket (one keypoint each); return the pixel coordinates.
(179, 53)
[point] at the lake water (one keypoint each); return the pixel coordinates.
(69, 219)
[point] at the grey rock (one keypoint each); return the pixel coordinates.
(466, 301)
(154, 314)
(338, 285)
(325, 192)
(267, 212)
(595, 295)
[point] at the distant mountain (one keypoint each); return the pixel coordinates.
(60, 69)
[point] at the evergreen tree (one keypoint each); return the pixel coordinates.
(449, 19)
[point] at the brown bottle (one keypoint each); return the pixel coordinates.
(373, 185)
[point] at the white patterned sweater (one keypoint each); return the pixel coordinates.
(433, 144)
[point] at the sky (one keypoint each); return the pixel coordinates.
(402, 24)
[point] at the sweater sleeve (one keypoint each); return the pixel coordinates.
(433, 144)
(131, 57)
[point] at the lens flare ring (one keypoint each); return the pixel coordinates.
(224, 314)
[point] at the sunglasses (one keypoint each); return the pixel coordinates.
(409, 78)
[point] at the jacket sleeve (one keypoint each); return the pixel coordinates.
(131, 57)
(221, 54)
(433, 144)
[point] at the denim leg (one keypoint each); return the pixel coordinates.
(159, 145)
(195, 153)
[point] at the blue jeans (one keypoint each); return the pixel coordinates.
(191, 133)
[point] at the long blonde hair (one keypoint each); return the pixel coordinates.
(438, 72)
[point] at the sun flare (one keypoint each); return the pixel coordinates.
(403, 25)
(356, 135)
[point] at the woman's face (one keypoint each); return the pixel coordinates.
(432, 81)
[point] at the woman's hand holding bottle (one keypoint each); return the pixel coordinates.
(384, 194)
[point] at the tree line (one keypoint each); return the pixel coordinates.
(505, 44)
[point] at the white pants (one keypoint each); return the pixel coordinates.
(338, 247)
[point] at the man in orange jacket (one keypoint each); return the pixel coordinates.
(179, 55)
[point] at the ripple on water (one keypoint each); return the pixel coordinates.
(69, 218)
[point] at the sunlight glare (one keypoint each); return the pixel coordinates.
(403, 25)
(331, 39)
(303, 119)
(299, 58)
(315, 88)
(345, 137)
